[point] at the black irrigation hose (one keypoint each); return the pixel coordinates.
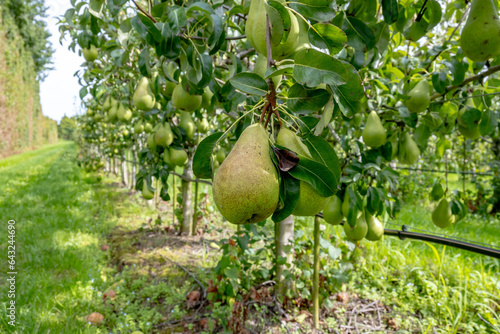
(444, 241)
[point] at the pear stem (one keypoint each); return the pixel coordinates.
(315, 283)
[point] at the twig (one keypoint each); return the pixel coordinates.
(465, 98)
(191, 180)
(486, 321)
(449, 39)
(144, 12)
(190, 274)
(479, 76)
(232, 38)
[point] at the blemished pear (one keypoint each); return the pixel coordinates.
(374, 134)
(358, 231)
(420, 97)
(332, 212)
(187, 123)
(480, 38)
(442, 216)
(143, 97)
(310, 201)
(375, 228)
(246, 187)
(182, 100)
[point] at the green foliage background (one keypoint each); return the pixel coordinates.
(24, 57)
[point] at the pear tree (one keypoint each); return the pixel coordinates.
(316, 103)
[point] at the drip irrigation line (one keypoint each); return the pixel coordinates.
(442, 171)
(445, 236)
(402, 234)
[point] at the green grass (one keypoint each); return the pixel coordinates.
(443, 287)
(60, 219)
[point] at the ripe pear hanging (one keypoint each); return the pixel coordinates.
(375, 228)
(374, 134)
(164, 136)
(358, 231)
(310, 202)
(442, 216)
(480, 39)
(332, 212)
(246, 187)
(143, 97)
(255, 30)
(186, 122)
(408, 151)
(420, 97)
(182, 100)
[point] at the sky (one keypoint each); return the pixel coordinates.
(59, 91)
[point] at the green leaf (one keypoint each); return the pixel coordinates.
(290, 188)
(143, 62)
(327, 36)
(96, 7)
(319, 10)
(372, 200)
(250, 83)
(323, 152)
(202, 160)
(218, 31)
(280, 21)
(390, 11)
(231, 273)
(348, 95)
(151, 27)
(489, 122)
(471, 117)
(83, 92)
(458, 209)
(359, 35)
(313, 68)
(304, 101)
(317, 175)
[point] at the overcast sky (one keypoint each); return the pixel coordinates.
(59, 91)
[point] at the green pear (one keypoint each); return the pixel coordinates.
(138, 128)
(112, 112)
(332, 212)
(221, 155)
(357, 119)
(203, 125)
(146, 193)
(206, 98)
(375, 228)
(148, 127)
(90, 54)
(107, 103)
(310, 202)
(358, 231)
(151, 142)
(480, 38)
(178, 157)
(184, 101)
(471, 132)
(167, 89)
(374, 134)
(90, 112)
(164, 135)
(255, 30)
(260, 68)
(186, 122)
(245, 187)
(167, 159)
(442, 216)
(420, 97)
(123, 114)
(408, 151)
(143, 97)
(394, 146)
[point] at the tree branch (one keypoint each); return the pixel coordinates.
(144, 12)
(479, 76)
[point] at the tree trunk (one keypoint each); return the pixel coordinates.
(284, 237)
(134, 171)
(123, 169)
(495, 146)
(195, 208)
(187, 203)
